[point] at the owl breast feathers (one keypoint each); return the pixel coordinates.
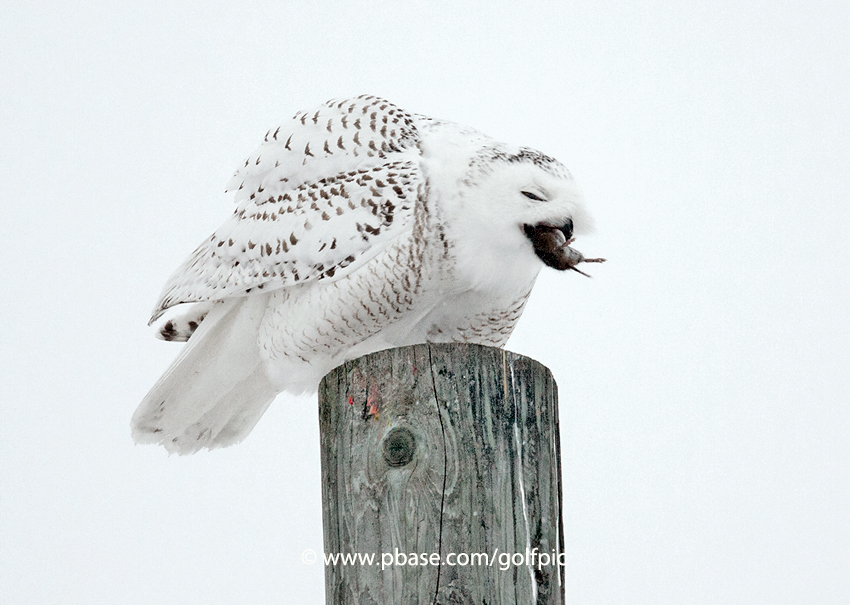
(358, 227)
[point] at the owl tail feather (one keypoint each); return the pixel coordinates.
(217, 388)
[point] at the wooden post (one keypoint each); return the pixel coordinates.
(442, 463)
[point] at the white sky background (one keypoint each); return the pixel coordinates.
(703, 370)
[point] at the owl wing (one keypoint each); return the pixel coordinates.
(322, 195)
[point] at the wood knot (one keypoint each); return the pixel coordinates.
(399, 447)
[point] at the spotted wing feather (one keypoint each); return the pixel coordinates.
(323, 194)
(319, 230)
(339, 136)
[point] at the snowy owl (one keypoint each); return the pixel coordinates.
(358, 227)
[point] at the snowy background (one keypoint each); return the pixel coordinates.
(704, 370)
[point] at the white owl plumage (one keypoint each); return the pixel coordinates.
(358, 227)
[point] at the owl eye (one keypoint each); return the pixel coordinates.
(533, 196)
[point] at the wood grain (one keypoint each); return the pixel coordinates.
(441, 448)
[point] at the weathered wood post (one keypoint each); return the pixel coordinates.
(442, 464)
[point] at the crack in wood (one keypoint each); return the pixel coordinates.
(445, 474)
